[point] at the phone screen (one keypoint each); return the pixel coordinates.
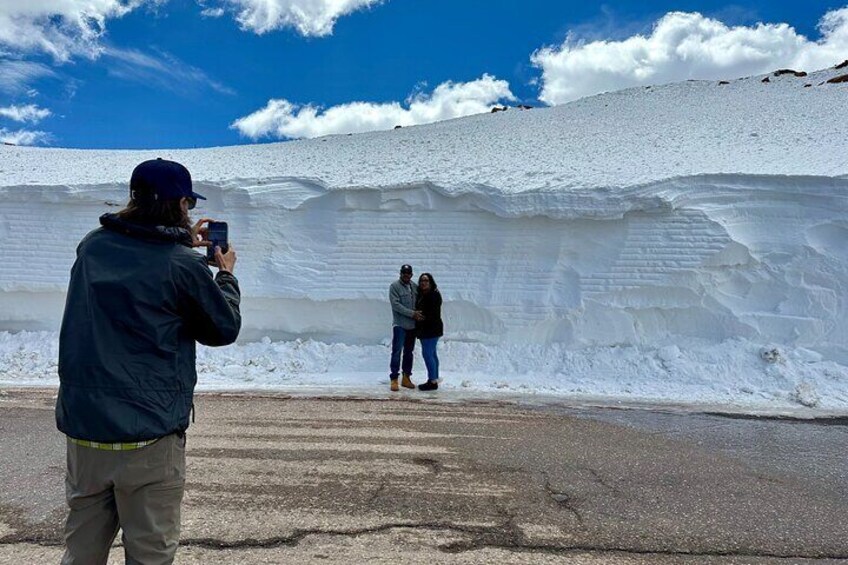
(217, 235)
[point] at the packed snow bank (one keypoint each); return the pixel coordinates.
(657, 243)
(709, 257)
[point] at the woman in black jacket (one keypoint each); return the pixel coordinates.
(430, 329)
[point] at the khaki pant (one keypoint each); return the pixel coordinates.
(139, 491)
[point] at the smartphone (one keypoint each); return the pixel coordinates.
(217, 235)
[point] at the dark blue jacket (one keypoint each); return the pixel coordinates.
(138, 300)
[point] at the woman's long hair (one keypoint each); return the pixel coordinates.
(433, 286)
(167, 213)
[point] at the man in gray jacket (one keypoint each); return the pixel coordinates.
(403, 294)
(138, 299)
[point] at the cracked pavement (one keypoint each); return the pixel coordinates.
(278, 479)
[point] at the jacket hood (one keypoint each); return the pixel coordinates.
(173, 234)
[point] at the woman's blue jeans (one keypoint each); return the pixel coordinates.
(431, 358)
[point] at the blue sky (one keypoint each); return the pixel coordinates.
(182, 73)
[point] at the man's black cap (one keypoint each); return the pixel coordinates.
(159, 179)
(406, 269)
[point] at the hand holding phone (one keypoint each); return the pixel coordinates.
(225, 261)
(217, 236)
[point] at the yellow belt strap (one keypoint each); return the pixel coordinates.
(113, 446)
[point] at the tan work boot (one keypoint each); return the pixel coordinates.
(394, 385)
(406, 382)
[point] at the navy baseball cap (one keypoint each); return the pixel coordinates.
(406, 270)
(159, 179)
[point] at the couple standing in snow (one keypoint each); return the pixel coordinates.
(416, 312)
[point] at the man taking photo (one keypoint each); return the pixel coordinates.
(139, 298)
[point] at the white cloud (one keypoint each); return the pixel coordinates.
(23, 137)
(686, 46)
(212, 12)
(59, 28)
(283, 119)
(29, 113)
(16, 76)
(308, 17)
(64, 29)
(166, 72)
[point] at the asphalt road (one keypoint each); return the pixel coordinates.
(298, 480)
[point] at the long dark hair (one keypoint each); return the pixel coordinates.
(167, 213)
(433, 286)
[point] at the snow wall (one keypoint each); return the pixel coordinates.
(706, 258)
